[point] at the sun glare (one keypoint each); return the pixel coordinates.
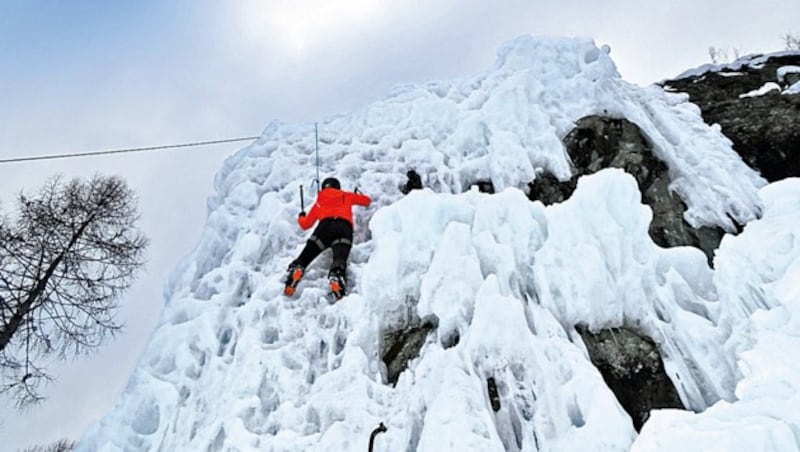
(296, 27)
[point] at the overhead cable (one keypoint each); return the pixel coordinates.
(121, 151)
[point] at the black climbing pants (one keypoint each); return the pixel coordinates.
(333, 233)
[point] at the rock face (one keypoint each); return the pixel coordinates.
(599, 142)
(400, 346)
(763, 128)
(764, 132)
(633, 369)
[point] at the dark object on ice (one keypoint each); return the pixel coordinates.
(379, 429)
(494, 398)
(414, 182)
(485, 186)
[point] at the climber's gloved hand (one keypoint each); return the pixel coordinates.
(301, 215)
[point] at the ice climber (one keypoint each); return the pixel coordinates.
(333, 210)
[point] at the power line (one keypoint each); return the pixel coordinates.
(121, 151)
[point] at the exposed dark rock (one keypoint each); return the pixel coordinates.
(763, 129)
(450, 339)
(484, 186)
(632, 368)
(414, 182)
(400, 346)
(598, 142)
(549, 190)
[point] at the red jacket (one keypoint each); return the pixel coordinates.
(333, 203)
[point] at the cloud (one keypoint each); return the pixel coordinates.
(150, 72)
(300, 28)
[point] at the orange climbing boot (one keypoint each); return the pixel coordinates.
(337, 286)
(293, 276)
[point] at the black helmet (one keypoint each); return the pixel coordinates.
(331, 182)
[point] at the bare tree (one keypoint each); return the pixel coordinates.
(720, 55)
(65, 258)
(791, 41)
(62, 445)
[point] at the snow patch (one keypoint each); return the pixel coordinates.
(766, 88)
(785, 70)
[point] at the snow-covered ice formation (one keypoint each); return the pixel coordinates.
(233, 365)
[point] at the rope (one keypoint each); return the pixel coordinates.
(121, 151)
(316, 149)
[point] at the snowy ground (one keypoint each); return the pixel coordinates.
(234, 365)
(734, 68)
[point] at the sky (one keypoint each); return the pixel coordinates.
(84, 76)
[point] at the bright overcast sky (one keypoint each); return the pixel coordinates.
(81, 76)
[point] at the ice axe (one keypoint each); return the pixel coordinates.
(302, 202)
